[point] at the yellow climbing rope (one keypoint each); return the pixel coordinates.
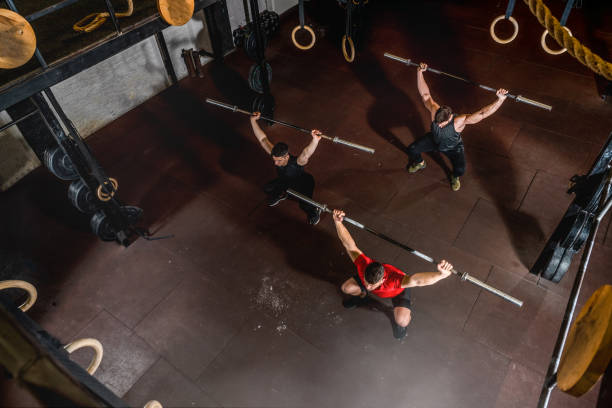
(565, 39)
(97, 19)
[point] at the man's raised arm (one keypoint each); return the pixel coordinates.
(303, 158)
(345, 236)
(428, 101)
(259, 134)
(482, 113)
(427, 278)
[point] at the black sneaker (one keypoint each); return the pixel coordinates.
(313, 219)
(272, 201)
(399, 332)
(353, 301)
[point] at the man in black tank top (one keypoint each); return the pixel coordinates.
(290, 170)
(445, 132)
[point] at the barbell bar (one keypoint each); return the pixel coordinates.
(464, 276)
(334, 139)
(517, 98)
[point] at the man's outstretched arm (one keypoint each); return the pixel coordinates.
(310, 149)
(345, 236)
(482, 113)
(428, 101)
(427, 278)
(259, 134)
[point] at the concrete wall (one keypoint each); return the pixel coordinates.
(102, 93)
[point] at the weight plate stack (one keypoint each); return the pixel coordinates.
(59, 164)
(101, 226)
(81, 197)
(255, 80)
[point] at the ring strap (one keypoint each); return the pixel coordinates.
(510, 8)
(566, 12)
(301, 12)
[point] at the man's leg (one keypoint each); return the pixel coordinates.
(457, 158)
(423, 145)
(401, 313)
(305, 185)
(353, 287)
(275, 189)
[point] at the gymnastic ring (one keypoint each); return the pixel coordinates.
(350, 41)
(312, 34)
(153, 404)
(94, 344)
(84, 25)
(27, 286)
(548, 50)
(103, 196)
(512, 37)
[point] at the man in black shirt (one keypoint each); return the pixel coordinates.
(445, 133)
(290, 170)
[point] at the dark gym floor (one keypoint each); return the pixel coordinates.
(242, 307)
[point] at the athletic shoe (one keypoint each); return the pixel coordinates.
(353, 301)
(272, 201)
(399, 332)
(416, 167)
(455, 184)
(313, 219)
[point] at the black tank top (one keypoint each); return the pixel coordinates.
(291, 170)
(447, 138)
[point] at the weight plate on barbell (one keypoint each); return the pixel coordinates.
(81, 197)
(60, 164)
(255, 77)
(101, 226)
(250, 45)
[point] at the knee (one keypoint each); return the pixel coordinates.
(402, 316)
(350, 288)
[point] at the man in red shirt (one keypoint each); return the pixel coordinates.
(382, 280)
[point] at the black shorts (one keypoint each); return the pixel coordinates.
(401, 300)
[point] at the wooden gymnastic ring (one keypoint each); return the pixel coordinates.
(588, 348)
(548, 50)
(27, 286)
(176, 12)
(512, 37)
(153, 404)
(94, 344)
(17, 38)
(103, 196)
(344, 51)
(312, 34)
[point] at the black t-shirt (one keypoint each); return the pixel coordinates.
(291, 170)
(447, 138)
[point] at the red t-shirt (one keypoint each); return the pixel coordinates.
(391, 286)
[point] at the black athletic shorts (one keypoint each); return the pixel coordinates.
(401, 300)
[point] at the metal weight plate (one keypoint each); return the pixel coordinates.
(101, 226)
(264, 104)
(250, 45)
(255, 82)
(131, 213)
(60, 164)
(81, 197)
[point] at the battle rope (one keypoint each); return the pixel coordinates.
(565, 39)
(97, 19)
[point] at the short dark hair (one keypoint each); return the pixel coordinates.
(443, 114)
(374, 272)
(280, 149)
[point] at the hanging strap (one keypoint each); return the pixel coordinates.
(301, 12)
(349, 12)
(566, 12)
(510, 8)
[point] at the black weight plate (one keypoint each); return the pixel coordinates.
(255, 82)
(131, 213)
(264, 104)
(250, 45)
(101, 226)
(81, 197)
(60, 164)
